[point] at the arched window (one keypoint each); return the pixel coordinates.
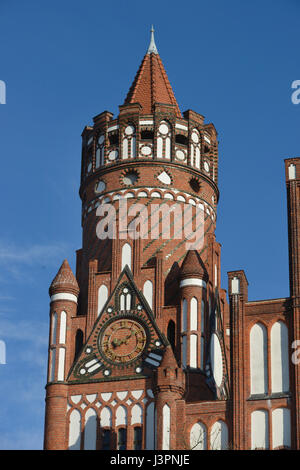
(129, 143)
(137, 438)
(74, 430)
(54, 328)
(148, 293)
(194, 314)
(150, 426)
(105, 439)
(171, 334)
(105, 417)
(90, 429)
(198, 437)
(52, 357)
(166, 427)
(195, 149)
(184, 315)
(121, 416)
(164, 140)
(193, 350)
(219, 436)
(63, 327)
(279, 358)
(122, 439)
(78, 343)
(100, 151)
(102, 297)
(126, 255)
(126, 299)
(259, 429)
(136, 414)
(61, 364)
(258, 359)
(281, 428)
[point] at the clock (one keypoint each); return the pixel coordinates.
(122, 341)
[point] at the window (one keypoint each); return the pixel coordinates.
(137, 438)
(106, 438)
(122, 438)
(78, 343)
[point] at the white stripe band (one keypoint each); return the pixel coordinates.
(63, 296)
(193, 281)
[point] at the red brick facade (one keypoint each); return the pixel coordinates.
(145, 350)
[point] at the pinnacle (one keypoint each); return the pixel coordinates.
(193, 265)
(64, 280)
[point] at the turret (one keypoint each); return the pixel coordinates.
(193, 282)
(63, 292)
(169, 390)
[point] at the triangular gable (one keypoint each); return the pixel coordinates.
(125, 339)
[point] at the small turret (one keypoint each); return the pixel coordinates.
(64, 281)
(193, 280)
(169, 390)
(193, 267)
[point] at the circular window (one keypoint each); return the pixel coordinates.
(129, 130)
(100, 186)
(180, 155)
(206, 167)
(101, 139)
(195, 137)
(113, 155)
(130, 178)
(146, 150)
(163, 129)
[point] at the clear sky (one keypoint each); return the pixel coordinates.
(64, 62)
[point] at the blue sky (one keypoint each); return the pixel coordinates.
(64, 62)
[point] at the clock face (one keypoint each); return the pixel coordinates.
(123, 340)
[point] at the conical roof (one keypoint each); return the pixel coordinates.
(151, 84)
(193, 266)
(64, 281)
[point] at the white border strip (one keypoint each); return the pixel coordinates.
(63, 296)
(192, 281)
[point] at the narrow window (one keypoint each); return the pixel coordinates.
(137, 438)
(122, 438)
(106, 438)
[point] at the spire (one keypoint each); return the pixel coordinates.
(64, 281)
(193, 266)
(152, 49)
(151, 84)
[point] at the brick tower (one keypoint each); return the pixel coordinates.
(144, 350)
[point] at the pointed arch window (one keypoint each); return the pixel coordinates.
(198, 437)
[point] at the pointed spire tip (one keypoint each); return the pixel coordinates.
(152, 49)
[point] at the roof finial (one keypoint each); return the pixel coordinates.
(152, 49)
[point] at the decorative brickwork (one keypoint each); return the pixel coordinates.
(145, 351)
